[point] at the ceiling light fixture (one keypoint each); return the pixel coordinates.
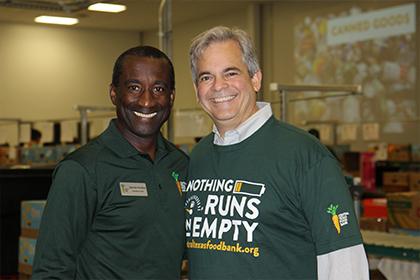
(56, 20)
(105, 7)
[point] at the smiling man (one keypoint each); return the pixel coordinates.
(264, 199)
(115, 209)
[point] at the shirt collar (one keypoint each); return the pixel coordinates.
(245, 129)
(115, 141)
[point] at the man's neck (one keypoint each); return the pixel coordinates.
(245, 129)
(145, 145)
(223, 127)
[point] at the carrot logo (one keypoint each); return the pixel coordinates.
(332, 209)
(178, 184)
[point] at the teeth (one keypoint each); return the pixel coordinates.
(148, 116)
(223, 98)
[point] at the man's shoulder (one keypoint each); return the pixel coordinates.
(203, 146)
(282, 140)
(284, 129)
(87, 155)
(284, 133)
(172, 148)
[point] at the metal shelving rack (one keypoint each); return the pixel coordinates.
(392, 245)
(83, 111)
(285, 90)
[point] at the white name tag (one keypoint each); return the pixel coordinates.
(133, 189)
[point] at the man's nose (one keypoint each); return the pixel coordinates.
(146, 98)
(219, 83)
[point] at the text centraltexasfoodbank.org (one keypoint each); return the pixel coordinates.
(221, 246)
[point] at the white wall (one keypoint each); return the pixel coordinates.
(46, 70)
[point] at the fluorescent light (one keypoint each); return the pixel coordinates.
(109, 8)
(56, 20)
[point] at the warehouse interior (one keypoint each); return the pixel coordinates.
(349, 69)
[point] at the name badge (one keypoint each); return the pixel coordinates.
(133, 189)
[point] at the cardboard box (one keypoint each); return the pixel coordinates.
(4, 156)
(398, 152)
(404, 210)
(396, 182)
(375, 224)
(31, 214)
(351, 163)
(374, 208)
(23, 276)
(26, 254)
(415, 181)
(396, 178)
(393, 189)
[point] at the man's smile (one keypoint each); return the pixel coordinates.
(144, 115)
(222, 99)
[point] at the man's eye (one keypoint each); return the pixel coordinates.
(231, 74)
(205, 78)
(134, 88)
(159, 90)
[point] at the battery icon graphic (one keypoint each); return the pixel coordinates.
(248, 188)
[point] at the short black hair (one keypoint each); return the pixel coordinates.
(35, 134)
(314, 132)
(142, 51)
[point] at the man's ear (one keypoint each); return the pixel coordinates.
(256, 80)
(196, 93)
(172, 98)
(113, 94)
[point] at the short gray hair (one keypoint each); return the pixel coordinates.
(221, 34)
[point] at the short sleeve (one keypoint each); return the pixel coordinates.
(328, 207)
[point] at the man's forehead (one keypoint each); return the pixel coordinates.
(142, 59)
(137, 63)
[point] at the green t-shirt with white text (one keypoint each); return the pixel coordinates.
(266, 207)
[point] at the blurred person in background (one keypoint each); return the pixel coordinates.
(36, 136)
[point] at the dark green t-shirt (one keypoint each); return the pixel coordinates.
(112, 213)
(266, 207)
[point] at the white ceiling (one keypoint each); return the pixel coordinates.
(140, 14)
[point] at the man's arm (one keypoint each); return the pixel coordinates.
(348, 263)
(329, 209)
(65, 222)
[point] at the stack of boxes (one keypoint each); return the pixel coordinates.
(396, 182)
(374, 215)
(404, 208)
(399, 209)
(398, 152)
(402, 189)
(31, 214)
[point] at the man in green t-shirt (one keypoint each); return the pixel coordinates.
(115, 207)
(264, 200)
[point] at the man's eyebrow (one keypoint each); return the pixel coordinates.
(203, 73)
(161, 82)
(132, 81)
(232, 69)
